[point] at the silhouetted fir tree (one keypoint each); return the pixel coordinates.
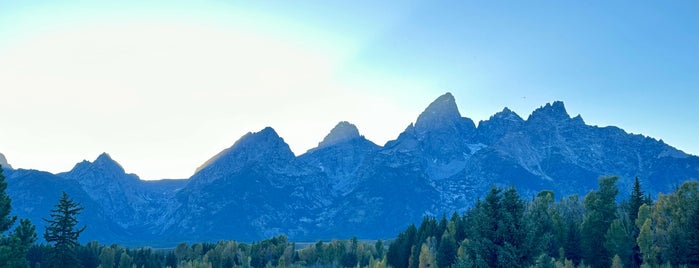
(61, 232)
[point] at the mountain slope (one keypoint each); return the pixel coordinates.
(349, 186)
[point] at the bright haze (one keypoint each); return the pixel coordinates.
(164, 85)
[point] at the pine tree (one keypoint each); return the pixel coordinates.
(62, 234)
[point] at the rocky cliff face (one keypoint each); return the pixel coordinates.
(349, 186)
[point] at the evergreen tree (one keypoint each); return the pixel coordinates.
(399, 251)
(636, 200)
(619, 239)
(601, 211)
(541, 222)
(379, 249)
(446, 254)
(62, 234)
(6, 221)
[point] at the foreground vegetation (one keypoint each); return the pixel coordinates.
(502, 230)
(505, 231)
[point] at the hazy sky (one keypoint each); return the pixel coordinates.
(164, 85)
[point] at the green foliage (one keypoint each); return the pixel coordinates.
(497, 232)
(601, 211)
(446, 254)
(645, 242)
(62, 234)
(676, 225)
(616, 262)
(399, 251)
(106, 257)
(502, 230)
(619, 238)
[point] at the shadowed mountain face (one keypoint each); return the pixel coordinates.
(349, 186)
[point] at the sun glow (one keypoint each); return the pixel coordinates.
(180, 83)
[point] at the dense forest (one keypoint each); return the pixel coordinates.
(501, 230)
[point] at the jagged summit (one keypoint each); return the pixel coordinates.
(265, 145)
(507, 114)
(3, 162)
(441, 111)
(555, 111)
(342, 132)
(103, 162)
(265, 139)
(104, 159)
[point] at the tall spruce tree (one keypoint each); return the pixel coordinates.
(635, 200)
(62, 233)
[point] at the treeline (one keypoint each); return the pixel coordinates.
(504, 230)
(274, 252)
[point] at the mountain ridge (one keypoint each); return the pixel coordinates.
(347, 185)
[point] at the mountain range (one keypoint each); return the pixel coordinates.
(348, 186)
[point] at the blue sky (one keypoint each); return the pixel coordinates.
(164, 85)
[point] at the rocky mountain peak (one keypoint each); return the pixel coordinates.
(105, 161)
(507, 114)
(266, 140)
(442, 111)
(555, 111)
(263, 146)
(342, 132)
(3, 162)
(104, 164)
